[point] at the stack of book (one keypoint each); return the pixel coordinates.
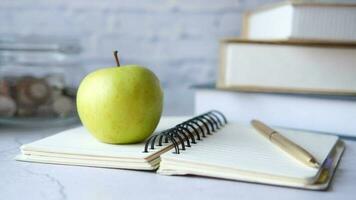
(294, 66)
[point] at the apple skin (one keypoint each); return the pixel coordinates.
(120, 105)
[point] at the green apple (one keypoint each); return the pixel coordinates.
(120, 105)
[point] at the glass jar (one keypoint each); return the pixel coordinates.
(38, 79)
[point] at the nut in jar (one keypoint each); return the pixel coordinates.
(29, 96)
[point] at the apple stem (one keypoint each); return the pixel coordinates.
(117, 58)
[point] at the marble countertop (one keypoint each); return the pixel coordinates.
(21, 180)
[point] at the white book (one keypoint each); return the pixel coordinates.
(334, 115)
(213, 148)
(288, 67)
(293, 20)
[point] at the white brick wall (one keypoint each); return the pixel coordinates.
(177, 39)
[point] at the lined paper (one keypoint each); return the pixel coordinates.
(242, 148)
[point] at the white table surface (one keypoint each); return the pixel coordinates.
(21, 180)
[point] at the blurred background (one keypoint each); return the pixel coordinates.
(48, 46)
(178, 40)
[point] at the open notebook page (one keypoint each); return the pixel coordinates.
(79, 143)
(242, 148)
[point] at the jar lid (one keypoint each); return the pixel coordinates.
(36, 43)
(39, 50)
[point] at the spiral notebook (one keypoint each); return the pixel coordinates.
(205, 145)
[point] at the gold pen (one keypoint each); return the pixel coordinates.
(286, 145)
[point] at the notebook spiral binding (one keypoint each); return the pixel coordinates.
(188, 132)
